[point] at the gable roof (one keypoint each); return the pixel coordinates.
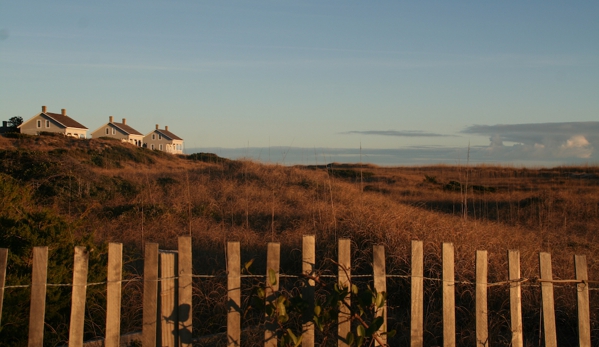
(168, 134)
(64, 120)
(126, 129)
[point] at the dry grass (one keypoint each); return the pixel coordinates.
(155, 198)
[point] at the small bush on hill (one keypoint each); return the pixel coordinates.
(207, 158)
(108, 138)
(15, 135)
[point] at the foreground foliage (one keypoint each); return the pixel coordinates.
(23, 227)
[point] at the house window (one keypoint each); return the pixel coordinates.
(152, 146)
(107, 131)
(160, 147)
(113, 131)
(159, 137)
(47, 124)
(153, 137)
(39, 123)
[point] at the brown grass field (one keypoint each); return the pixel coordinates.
(119, 193)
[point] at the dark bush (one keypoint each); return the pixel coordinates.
(166, 181)
(23, 227)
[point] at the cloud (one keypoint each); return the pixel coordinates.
(542, 144)
(402, 133)
(535, 132)
(577, 146)
(541, 140)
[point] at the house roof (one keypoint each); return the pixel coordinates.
(168, 134)
(64, 120)
(127, 129)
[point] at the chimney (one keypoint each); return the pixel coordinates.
(166, 127)
(110, 119)
(43, 109)
(64, 111)
(124, 121)
(156, 126)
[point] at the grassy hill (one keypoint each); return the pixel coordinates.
(108, 191)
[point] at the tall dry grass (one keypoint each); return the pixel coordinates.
(255, 203)
(135, 196)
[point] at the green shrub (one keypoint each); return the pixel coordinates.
(25, 227)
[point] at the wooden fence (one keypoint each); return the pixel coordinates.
(167, 294)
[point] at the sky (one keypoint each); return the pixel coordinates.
(387, 82)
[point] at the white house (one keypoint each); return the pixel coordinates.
(164, 140)
(121, 131)
(53, 123)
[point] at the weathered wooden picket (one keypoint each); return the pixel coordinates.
(167, 294)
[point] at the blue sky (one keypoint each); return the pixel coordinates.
(431, 76)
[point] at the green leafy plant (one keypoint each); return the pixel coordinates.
(366, 310)
(282, 308)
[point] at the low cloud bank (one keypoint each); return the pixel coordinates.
(541, 141)
(542, 144)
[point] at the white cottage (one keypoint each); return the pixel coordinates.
(164, 140)
(121, 131)
(53, 123)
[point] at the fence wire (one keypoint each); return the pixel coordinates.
(530, 282)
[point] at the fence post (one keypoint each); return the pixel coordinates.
(308, 265)
(344, 319)
(547, 297)
(185, 291)
(150, 301)
(168, 299)
(582, 289)
(515, 297)
(37, 310)
(482, 325)
(448, 295)
(380, 285)
(272, 263)
(234, 295)
(3, 261)
(113, 295)
(417, 306)
(80, 268)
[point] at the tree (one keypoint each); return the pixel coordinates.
(13, 123)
